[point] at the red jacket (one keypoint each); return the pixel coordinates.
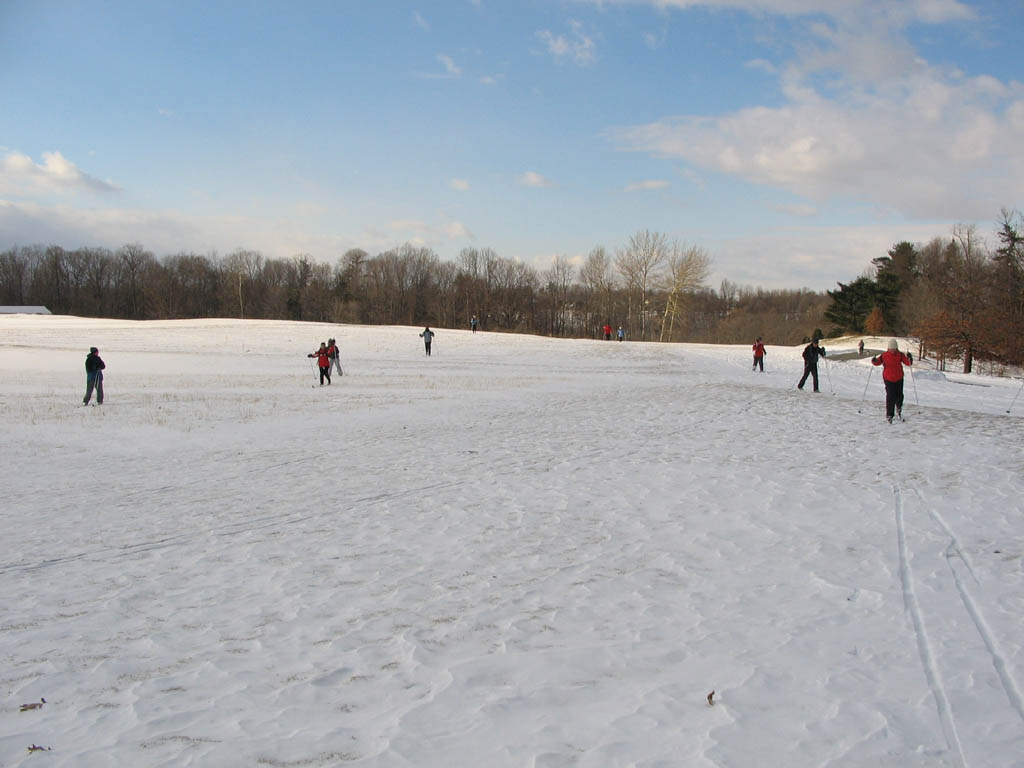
(758, 349)
(892, 362)
(322, 359)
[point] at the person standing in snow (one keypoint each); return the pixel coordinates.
(892, 362)
(860, 348)
(93, 376)
(427, 336)
(334, 355)
(620, 334)
(811, 354)
(607, 332)
(323, 361)
(473, 323)
(758, 355)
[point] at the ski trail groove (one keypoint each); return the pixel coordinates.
(991, 644)
(924, 648)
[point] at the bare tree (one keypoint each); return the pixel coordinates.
(688, 268)
(598, 284)
(639, 264)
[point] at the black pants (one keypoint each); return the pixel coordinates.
(93, 380)
(759, 361)
(325, 373)
(812, 371)
(427, 345)
(893, 398)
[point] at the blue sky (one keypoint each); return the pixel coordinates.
(794, 140)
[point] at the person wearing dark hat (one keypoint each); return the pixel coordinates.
(428, 337)
(892, 362)
(93, 376)
(334, 356)
(811, 354)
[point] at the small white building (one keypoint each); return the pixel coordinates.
(24, 311)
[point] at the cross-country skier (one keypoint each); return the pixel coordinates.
(93, 376)
(620, 334)
(607, 332)
(811, 354)
(758, 355)
(427, 336)
(334, 355)
(474, 323)
(323, 361)
(892, 362)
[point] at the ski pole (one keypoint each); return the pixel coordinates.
(870, 371)
(1015, 397)
(828, 372)
(312, 366)
(914, 382)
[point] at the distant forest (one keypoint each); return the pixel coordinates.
(961, 299)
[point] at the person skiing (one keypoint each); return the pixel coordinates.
(607, 332)
(620, 334)
(473, 323)
(323, 361)
(94, 366)
(427, 336)
(811, 354)
(892, 362)
(758, 355)
(334, 355)
(860, 348)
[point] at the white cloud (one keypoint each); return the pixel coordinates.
(491, 79)
(649, 184)
(803, 210)
(456, 230)
(577, 46)
(19, 174)
(451, 69)
(419, 21)
(763, 65)
(902, 13)
(460, 185)
(449, 65)
(533, 179)
(923, 146)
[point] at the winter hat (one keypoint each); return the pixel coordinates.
(893, 344)
(93, 350)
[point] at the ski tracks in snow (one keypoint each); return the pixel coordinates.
(961, 571)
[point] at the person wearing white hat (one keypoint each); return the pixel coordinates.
(892, 362)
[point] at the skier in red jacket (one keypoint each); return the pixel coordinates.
(758, 355)
(892, 362)
(323, 361)
(607, 332)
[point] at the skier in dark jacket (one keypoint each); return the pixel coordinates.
(334, 355)
(323, 361)
(93, 376)
(811, 354)
(892, 362)
(428, 336)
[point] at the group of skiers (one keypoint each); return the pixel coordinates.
(607, 331)
(892, 362)
(328, 358)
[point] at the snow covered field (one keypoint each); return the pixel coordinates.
(518, 552)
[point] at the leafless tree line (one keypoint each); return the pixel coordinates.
(653, 287)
